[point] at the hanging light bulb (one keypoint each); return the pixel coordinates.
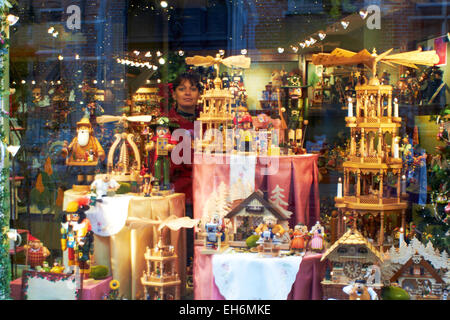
(164, 4)
(244, 51)
(280, 50)
(50, 30)
(303, 45)
(12, 19)
(158, 54)
(159, 80)
(363, 14)
(155, 67)
(312, 40)
(77, 57)
(136, 52)
(33, 82)
(95, 81)
(60, 58)
(121, 80)
(80, 86)
(308, 43)
(148, 54)
(295, 49)
(181, 53)
(221, 52)
(345, 24)
(58, 82)
(162, 61)
(55, 34)
(322, 35)
(23, 81)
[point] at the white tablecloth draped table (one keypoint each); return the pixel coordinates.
(247, 276)
(121, 248)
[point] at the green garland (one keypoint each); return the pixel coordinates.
(5, 270)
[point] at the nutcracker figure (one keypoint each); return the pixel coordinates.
(77, 236)
(162, 143)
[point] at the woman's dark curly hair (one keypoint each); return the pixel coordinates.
(193, 78)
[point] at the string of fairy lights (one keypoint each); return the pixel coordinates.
(154, 60)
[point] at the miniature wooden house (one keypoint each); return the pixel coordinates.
(421, 270)
(247, 214)
(350, 256)
(161, 281)
(419, 279)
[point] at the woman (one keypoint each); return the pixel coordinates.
(186, 93)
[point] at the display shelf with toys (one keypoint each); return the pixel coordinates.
(145, 101)
(322, 91)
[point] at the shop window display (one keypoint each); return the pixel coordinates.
(306, 138)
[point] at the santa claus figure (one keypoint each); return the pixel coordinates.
(83, 153)
(36, 253)
(77, 236)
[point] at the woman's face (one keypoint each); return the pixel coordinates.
(186, 95)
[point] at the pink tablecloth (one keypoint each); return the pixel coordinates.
(297, 175)
(92, 289)
(306, 286)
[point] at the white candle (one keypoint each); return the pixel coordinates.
(339, 188)
(401, 238)
(350, 107)
(396, 108)
(396, 153)
(403, 184)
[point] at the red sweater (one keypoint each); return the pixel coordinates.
(181, 174)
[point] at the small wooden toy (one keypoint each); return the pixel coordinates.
(162, 143)
(299, 240)
(359, 291)
(317, 235)
(36, 252)
(161, 280)
(215, 233)
(270, 233)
